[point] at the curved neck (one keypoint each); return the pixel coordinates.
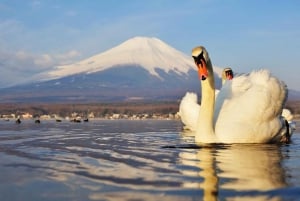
(223, 81)
(205, 129)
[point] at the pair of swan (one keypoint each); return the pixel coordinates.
(247, 109)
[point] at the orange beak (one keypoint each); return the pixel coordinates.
(202, 70)
(229, 77)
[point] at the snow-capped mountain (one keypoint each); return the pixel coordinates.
(148, 53)
(140, 67)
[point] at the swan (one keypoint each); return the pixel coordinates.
(189, 107)
(247, 109)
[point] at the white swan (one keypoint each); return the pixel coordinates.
(189, 107)
(247, 110)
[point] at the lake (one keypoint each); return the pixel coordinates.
(138, 160)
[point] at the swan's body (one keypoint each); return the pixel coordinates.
(247, 109)
(189, 111)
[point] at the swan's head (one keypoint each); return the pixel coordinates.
(201, 59)
(227, 74)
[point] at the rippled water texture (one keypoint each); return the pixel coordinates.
(138, 160)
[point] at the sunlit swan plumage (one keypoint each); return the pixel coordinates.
(189, 107)
(247, 109)
(189, 111)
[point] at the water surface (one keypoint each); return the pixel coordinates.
(134, 160)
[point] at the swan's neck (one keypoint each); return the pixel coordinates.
(205, 131)
(223, 81)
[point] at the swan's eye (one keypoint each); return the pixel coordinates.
(229, 73)
(198, 60)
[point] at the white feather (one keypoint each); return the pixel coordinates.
(189, 111)
(248, 108)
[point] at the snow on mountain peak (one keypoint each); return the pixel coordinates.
(149, 53)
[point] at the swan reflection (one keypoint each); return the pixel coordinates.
(237, 168)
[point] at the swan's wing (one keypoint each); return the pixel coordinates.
(248, 108)
(189, 110)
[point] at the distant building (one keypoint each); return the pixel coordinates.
(27, 116)
(115, 116)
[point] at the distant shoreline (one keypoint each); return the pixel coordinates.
(116, 110)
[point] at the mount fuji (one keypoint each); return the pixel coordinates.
(139, 68)
(148, 53)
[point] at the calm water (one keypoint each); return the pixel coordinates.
(128, 160)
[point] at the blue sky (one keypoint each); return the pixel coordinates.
(39, 34)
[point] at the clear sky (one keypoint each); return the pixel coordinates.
(38, 34)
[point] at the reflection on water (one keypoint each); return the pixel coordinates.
(241, 168)
(125, 160)
(202, 158)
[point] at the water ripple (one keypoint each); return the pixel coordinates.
(128, 160)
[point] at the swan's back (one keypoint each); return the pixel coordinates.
(248, 108)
